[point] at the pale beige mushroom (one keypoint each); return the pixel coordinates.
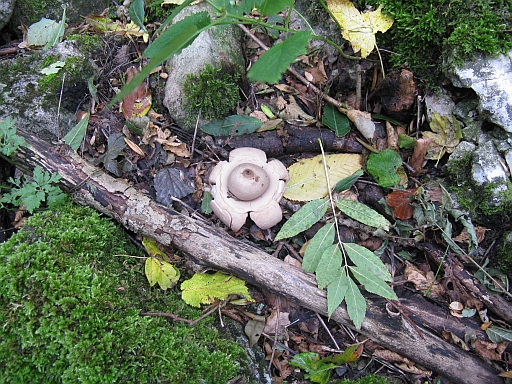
(247, 184)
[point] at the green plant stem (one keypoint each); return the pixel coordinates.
(333, 206)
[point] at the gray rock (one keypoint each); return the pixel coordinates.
(34, 103)
(491, 79)
(439, 102)
(216, 47)
(467, 111)
(6, 8)
(487, 166)
(29, 11)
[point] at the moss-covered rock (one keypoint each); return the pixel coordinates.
(70, 306)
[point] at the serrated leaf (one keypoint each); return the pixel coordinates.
(499, 334)
(170, 42)
(75, 136)
(356, 304)
(335, 120)
(272, 64)
(383, 167)
(359, 28)
(336, 291)
(372, 283)
(316, 247)
(271, 7)
(350, 355)
(328, 266)
(235, 125)
(347, 182)
(366, 259)
(161, 272)
(303, 219)
(307, 177)
(205, 288)
(137, 13)
(363, 214)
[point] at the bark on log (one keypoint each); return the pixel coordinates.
(214, 248)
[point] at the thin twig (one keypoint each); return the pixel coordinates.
(328, 331)
(318, 91)
(195, 134)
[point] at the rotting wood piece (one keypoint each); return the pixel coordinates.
(294, 139)
(214, 248)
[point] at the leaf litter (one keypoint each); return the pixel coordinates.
(294, 104)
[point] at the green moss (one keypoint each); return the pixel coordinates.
(155, 11)
(425, 33)
(473, 197)
(504, 254)
(88, 43)
(369, 379)
(70, 311)
(213, 92)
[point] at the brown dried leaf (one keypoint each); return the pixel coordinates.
(420, 150)
(423, 281)
(490, 351)
(401, 203)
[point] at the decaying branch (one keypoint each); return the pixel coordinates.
(213, 248)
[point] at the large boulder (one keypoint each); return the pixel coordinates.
(491, 79)
(32, 98)
(218, 47)
(6, 8)
(28, 11)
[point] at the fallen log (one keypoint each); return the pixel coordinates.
(213, 248)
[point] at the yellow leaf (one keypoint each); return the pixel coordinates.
(161, 272)
(152, 248)
(359, 28)
(307, 177)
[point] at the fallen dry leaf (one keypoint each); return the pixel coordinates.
(423, 281)
(490, 351)
(401, 203)
(418, 156)
(138, 102)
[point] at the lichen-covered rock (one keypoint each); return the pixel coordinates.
(32, 98)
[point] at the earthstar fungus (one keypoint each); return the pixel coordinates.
(247, 184)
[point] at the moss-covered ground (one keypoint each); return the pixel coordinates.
(70, 311)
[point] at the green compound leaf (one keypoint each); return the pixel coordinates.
(366, 259)
(329, 266)
(335, 120)
(383, 167)
(303, 219)
(363, 214)
(205, 288)
(372, 283)
(235, 125)
(316, 247)
(76, 135)
(272, 64)
(336, 292)
(356, 304)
